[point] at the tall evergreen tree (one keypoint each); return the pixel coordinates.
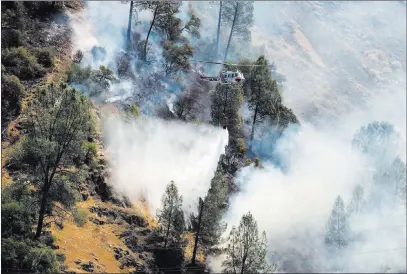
(129, 25)
(218, 31)
(239, 16)
(176, 58)
(265, 97)
(163, 19)
(337, 234)
(193, 24)
(389, 185)
(226, 103)
(247, 250)
(378, 140)
(171, 216)
(356, 203)
(207, 224)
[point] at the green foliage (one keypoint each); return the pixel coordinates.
(247, 250)
(238, 15)
(21, 63)
(176, 58)
(12, 92)
(166, 20)
(13, 252)
(79, 75)
(241, 145)
(187, 105)
(13, 14)
(26, 255)
(90, 151)
(80, 217)
(283, 117)
(45, 57)
(265, 98)
(133, 111)
(42, 260)
(11, 38)
(58, 123)
(193, 24)
(89, 81)
(226, 103)
(171, 216)
(257, 162)
(16, 220)
(214, 207)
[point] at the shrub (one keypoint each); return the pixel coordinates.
(80, 217)
(11, 38)
(90, 151)
(241, 145)
(41, 260)
(13, 252)
(79, 75)
(45, 57)
(11, 92)
(257, 162)
(16, 220)
(133, 110)
(77, 58)
(20, 63)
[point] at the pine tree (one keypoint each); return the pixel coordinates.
(378, 140)
(265, 98)
(163, 19)
(357, 201)
(171, 216)
(226, 103)
(176, 58)
(239, 16)
(247, 251)
(337, 234)
(218, 31)
(58, 123)
(207, 224)
(193, 24)
(129, 25)
(389, 184)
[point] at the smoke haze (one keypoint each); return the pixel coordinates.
(148, 154)
(345, 67)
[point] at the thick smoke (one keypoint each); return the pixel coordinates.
(148, 154)
(350, 89)
(345, 68)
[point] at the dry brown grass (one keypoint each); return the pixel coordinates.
(5, 177)
(90, 243)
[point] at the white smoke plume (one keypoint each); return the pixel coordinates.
(149, 153)
(345, 68)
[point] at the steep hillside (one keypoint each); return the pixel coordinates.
(118, 156)
(347, 53)
(94, 239)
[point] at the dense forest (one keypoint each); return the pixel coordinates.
(64, 208)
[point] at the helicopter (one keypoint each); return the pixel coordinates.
(228, 77)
